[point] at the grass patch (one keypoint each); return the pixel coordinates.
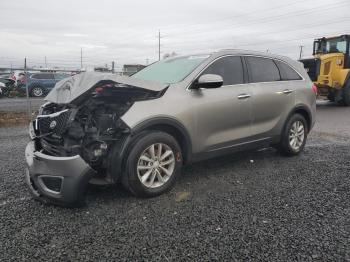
(14, 118)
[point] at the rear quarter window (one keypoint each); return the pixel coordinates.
(262, 69)
(35, 76)
(287, 73)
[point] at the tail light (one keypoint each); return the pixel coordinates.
(100, 89)
(314, 89)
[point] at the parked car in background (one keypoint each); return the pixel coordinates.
(5, 75)
(7, 85)
(140, 130)
(39, 84)
(2, 87)
(17, 75)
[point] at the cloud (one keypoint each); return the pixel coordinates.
(75, 35)
(92, 46)
(126, 31)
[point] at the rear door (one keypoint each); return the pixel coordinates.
(223, 115)
(49, 80)
(272, 98)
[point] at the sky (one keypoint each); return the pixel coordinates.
(127, 31)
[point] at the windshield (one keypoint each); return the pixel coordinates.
(333, 45)
(172, 70)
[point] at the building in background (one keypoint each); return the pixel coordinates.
(103, 69)
(130, 69)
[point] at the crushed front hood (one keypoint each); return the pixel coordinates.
(69, 89)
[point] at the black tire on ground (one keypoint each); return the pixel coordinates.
(346, 94)
(37, 91)
(130, 178)
(331, 97)
(285, 146)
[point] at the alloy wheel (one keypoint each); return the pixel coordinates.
(156, 165)
(37, 91)
(296, 135)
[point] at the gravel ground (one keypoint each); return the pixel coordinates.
(253, 206)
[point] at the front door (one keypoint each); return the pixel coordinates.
(223, 115)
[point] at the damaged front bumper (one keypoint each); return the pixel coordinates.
(60, 180)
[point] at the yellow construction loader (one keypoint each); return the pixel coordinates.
(329, 68)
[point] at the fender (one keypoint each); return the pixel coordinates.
(121, 148)
(161, 123)
(309, 118)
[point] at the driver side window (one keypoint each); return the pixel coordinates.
(230, 68)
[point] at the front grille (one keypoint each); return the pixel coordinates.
(53, 124)
(51, 128)
(51, 146)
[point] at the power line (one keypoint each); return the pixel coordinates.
(210, 22)
(279, 32)
(269, 19)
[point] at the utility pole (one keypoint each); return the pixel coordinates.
(45, 63)
(81, 58)
(112, 67)
(158, 45)
(301, 51)
(29, 106)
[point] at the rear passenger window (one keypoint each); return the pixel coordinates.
(229, 68)
(42, 76)
(35, 76)
(60, 76)
(287, 73)
(262, 70)
(47, 76)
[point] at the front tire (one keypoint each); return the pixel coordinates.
(294, 136)
(346, 94)
(153, 164)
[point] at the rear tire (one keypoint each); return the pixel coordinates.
(153, 164)
(294, 136)
(331, 97)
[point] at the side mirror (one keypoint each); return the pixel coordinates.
(209, 81)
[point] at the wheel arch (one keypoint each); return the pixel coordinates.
(305, 112)
(173, 128)
(117, 157)
(33, 85)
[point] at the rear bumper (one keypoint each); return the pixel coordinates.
(61, 180)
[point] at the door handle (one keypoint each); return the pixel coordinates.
(243, 96)
(285, 92)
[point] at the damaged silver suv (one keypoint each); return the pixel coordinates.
(140, 130)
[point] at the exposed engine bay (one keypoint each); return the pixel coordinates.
(90, 125)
